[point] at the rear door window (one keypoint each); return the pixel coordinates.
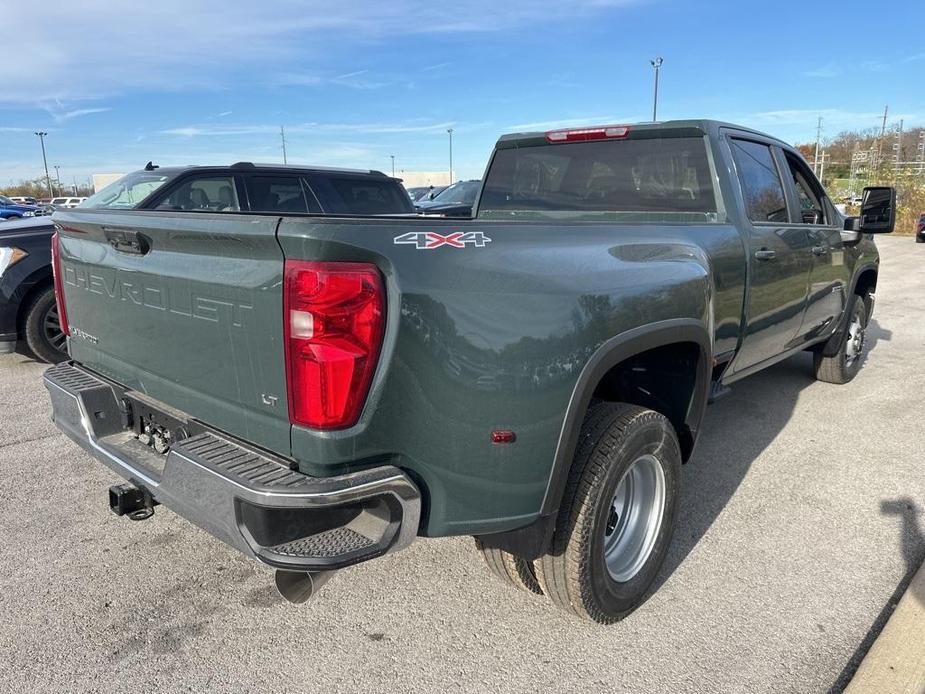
(202, 194)
(283, 194)
(760, 181)
(360, 196)
(665, 178)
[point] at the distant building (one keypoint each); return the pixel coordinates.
(100, 181)
(414, 179)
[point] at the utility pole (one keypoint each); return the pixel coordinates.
(657, 63)
(450, 133)
(282, 137)
(886, 110)
(898, 146)
(75, 186)
(58, 177)
(818, 139)
(392, 156)
(921, 152)
(41, 136)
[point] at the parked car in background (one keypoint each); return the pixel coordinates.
(454, 201)
(66, 203)
(257, 188)
(920, 229)
(24, 200)
(425, 192)
(10, 210)
(28, 312)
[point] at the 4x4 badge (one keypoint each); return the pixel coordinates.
(428, 240)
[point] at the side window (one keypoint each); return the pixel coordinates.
(809, 195)
(206, 194)
(278, 194)
(761, 184)
(361, 195)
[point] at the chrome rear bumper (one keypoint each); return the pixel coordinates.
(251, 499)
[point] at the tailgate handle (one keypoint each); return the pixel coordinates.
(128, 241)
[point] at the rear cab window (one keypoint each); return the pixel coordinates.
(665, 179)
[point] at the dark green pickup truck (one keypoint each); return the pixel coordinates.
(318, 389)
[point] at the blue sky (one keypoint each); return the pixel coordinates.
(210, 81)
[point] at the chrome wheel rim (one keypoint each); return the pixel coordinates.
(854, 344)
(634, 518)
(51, 327)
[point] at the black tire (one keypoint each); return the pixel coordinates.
(844, 363)
(42, 329)
(510, 568)
(12, 218)
(574, 573)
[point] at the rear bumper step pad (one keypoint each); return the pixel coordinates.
(254, 501)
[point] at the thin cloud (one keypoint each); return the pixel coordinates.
(369, 128)
(826, 71)
(118, 48)
(569, 122)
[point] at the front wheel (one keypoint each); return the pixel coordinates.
(617, 514)
(843, 365)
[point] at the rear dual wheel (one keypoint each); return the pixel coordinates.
(616, 518)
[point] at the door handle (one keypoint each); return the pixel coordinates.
(765, 254)
(820, 250)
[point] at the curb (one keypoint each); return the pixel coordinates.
(896, 661)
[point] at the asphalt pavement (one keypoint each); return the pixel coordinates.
(801, 521)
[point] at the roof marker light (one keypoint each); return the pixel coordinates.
(601, 132)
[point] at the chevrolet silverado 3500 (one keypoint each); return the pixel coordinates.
(318, 389)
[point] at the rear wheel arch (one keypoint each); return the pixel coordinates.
(622, 370)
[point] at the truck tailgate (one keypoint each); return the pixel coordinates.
(187, 311)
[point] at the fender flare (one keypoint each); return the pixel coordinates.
(608, 355)
(532, 540)
(833, 344)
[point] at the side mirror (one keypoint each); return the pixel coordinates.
(878, 211)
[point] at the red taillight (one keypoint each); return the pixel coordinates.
(602, 132)
(333, 323)
(59, 284)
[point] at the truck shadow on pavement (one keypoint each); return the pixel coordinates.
(736, 431)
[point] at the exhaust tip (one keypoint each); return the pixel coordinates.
(300, 586)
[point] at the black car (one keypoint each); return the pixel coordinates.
(246, 188)
(423, 193)
(28, 312)
(920, 229)
(455, 201)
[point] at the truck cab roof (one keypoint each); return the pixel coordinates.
(642, 130)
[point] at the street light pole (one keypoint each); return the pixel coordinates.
(657, 63)
(58, 177)
(450, 133)
(41, 136)
(392, 156)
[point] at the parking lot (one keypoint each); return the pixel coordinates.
(801, 520)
